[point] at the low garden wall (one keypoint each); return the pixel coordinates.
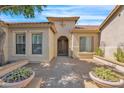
(108, 62)
(13, 66)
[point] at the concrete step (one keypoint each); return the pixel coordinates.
(35, 83)
(90, 84)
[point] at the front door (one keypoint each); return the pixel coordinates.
(62, 46)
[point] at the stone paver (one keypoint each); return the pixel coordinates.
(63, 72)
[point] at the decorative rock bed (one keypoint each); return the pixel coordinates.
(18, 78)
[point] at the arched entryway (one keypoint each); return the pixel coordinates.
(62, 46)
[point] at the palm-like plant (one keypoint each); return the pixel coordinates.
(28, 11)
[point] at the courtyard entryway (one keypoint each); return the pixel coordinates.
(63, 72)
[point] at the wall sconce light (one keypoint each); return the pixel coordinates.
(121, 45)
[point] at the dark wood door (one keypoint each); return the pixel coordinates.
(62, 46)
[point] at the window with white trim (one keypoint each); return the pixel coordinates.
(20, 43)
(37, 43)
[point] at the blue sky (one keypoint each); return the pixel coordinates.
(89, 15)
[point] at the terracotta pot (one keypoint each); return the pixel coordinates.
(20, 84)
(105, 83)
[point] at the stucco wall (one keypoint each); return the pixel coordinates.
(76, 43)
(51, 44)
(33, 58)
(5, 49)
(113, 34)
(64, 30)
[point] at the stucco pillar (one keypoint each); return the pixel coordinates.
(3, 43)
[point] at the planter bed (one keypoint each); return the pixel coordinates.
(106, 77)
(18, 78)
(108, 62)
(10, 67)
(104, 83)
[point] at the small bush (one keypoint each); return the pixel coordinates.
(99, 52)
(119, 55)
(105, 74)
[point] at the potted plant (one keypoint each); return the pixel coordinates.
(17, 78)
(106, 77)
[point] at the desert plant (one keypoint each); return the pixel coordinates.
(119, 55)
(105, 74)
(99, 52)
(17, 75)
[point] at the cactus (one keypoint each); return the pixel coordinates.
(119, 55)
(99, 52)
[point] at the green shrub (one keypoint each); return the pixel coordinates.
(17, 75)
(119, 55)
(99, 52)
(105, 74)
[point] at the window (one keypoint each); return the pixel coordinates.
(86, 44)
(37, 43)
(20, 43)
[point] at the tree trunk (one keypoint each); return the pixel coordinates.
(2, 41)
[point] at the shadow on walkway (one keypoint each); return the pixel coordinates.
(63, 72)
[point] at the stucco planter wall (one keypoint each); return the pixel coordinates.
(20, 84)
(120, 68)
(105, 83)
(13, 66)
(112, 63)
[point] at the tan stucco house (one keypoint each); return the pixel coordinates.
(43, 41)
(112, 32)
(60, 36)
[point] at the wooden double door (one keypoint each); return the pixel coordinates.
(63, 46)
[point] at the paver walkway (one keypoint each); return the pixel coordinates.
(63, 72)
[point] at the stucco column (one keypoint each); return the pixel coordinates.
(2, 41)
(72, 41)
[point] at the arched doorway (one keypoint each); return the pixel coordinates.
(62, 46)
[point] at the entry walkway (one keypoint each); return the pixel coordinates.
(63, 72)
